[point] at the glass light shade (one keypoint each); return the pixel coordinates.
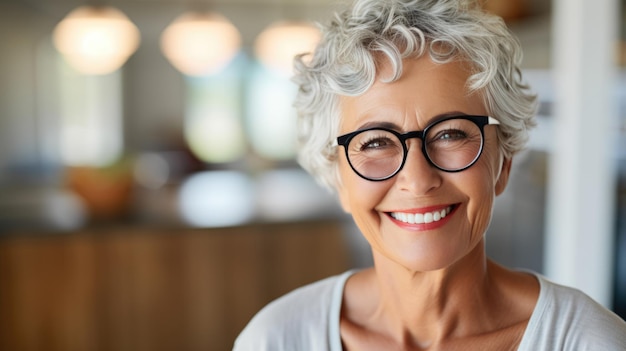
(200, 44)
(96, 40)
(279, 43)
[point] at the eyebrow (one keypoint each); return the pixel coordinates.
(377, 124)
(393, 126)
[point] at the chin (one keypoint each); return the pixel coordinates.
(419, 261)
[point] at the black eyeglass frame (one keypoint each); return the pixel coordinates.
(480, 121)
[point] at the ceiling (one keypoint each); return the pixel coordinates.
(531, 24)
(56, 6)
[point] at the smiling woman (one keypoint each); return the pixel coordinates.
(412, 111)
(423, 100)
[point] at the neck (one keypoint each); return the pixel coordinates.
(427, 307)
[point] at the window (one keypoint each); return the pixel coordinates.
(91, 132)
(213, 124)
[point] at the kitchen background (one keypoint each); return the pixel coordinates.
(158, 207)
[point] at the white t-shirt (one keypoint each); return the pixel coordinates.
(307, 319)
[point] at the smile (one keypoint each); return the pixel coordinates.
(421, 218)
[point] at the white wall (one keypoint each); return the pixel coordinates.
(580, 230)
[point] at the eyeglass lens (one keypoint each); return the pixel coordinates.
(450, 145)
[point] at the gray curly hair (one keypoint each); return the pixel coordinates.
(344, 64)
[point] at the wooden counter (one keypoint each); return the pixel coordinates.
(146, 289)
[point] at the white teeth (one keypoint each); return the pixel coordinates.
(420, 218)
(428, 217)
(436, 216)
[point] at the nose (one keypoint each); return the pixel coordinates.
(418, 176)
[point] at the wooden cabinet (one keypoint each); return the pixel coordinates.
(154, 289)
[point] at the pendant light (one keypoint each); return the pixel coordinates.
(280, 42)
(96, 39)
(200, 43)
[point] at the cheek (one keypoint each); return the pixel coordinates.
(481, 206)
(481, 191)
(358, 196)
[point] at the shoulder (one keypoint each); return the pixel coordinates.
(567, 319)
(298, 320)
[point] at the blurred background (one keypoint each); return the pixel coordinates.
(149, 196)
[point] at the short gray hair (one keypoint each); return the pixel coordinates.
(344, 64)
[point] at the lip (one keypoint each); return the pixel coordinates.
(424, 226)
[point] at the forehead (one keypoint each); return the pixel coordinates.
(425, 90)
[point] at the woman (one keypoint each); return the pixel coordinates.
(412, 112)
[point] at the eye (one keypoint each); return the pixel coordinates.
(449, 135)
(375, 140)
(374, 143)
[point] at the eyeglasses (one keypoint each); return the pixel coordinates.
(452, 144)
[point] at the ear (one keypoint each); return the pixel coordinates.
(503, 178)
